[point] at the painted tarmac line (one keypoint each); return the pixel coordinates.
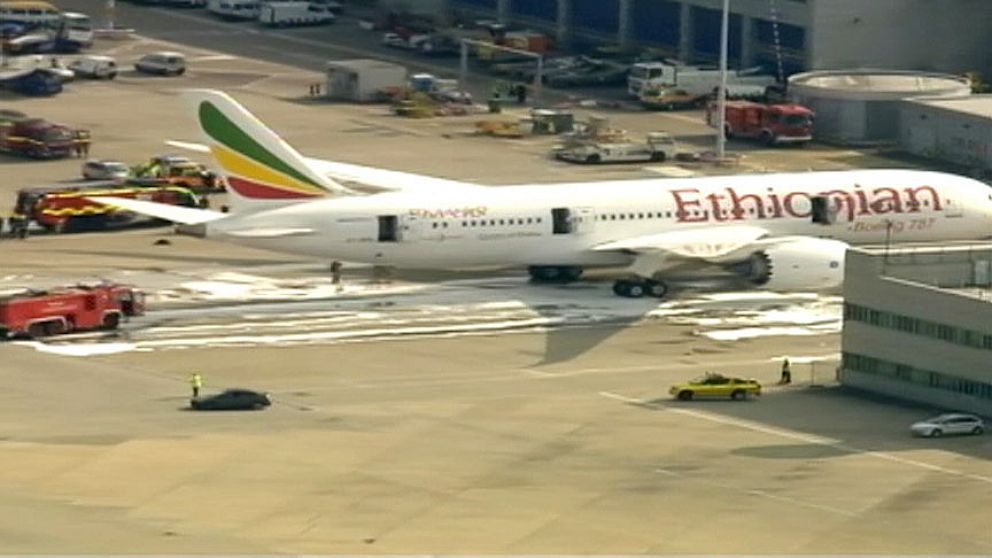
(748, 425)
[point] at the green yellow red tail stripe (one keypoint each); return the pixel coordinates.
(258, 164)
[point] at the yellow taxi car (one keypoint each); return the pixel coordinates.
(716, 385)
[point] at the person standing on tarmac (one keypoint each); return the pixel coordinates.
(18, 225)
(786, 373)
(196, 382)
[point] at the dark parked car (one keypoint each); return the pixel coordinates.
(232, 400)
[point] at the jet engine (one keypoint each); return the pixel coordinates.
(808, 264)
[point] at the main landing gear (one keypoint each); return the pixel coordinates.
(554, 273)
(637, 288)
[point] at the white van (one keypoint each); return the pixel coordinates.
(163, 63)
(94, 66)
(286, 14)
(234, 9)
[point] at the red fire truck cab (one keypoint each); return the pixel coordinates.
(64, 310)
(772, 124)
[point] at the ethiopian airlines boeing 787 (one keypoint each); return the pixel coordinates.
(780, 231)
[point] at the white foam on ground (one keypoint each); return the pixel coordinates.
(309, 309)
(242, 287)
(82, 349)
(752, 332)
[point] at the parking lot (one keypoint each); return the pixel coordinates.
(437, 413)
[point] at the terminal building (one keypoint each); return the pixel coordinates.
(918, 325)
(803, 34)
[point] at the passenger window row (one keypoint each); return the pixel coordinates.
(500, 222)
(635, 216)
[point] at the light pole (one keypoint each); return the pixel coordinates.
(721, 95)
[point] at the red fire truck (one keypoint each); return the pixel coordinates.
(41, 313)
(39, 138)
(772, 124)
(62, 209)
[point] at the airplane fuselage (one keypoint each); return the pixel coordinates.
(560, 224)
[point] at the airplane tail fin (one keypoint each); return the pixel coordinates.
(259, 166)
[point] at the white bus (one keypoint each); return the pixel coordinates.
(287, 14)
(30, 12)
(235, 9)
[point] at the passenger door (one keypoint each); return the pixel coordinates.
(568, 220)
(953, 209)
(413, 228)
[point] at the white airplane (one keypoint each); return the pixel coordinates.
(778, 231)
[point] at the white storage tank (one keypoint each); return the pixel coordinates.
(862, 107)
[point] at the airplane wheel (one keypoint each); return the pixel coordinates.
(657, 289)
(636, 290)
(629, 289)
(569, 274)
(544, 274)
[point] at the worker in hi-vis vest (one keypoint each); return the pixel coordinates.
(196, 382)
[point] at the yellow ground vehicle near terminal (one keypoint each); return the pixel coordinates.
(716, 385)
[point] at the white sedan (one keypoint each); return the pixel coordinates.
(99, 169)
(950, 423)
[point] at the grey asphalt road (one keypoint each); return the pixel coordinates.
(307, 47)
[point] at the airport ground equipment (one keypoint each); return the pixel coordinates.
(38, 138)
(68, 208)
(658, 147)
(773, 124)
(65, 310)
(293, 14)
(363, 80)
(176, 170)
(694, 80)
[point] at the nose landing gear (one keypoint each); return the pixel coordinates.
(637, 288)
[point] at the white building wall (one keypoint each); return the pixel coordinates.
(946, 135)
(933, 35)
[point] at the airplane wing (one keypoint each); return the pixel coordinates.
(709, 244)
(174, 213)
(365, 179)
(269, 233)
